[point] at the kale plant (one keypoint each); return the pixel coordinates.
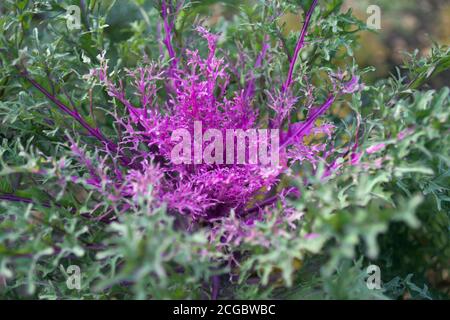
(88, 180)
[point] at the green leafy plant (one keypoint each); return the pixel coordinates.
(378, 193)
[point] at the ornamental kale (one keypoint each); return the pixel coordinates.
(178, 156)
(197, 88)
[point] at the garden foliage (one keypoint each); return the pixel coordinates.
(86, 178)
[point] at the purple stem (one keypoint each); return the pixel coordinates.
(74, 114)
(14, 198)
(315, 114)
(168, 32)
(250, 88)
(215, 287)
(299, 46)
(270, 200)
(11, 197)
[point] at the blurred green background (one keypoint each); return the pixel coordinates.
(406, 25)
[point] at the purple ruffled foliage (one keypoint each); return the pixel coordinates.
(196, 88)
